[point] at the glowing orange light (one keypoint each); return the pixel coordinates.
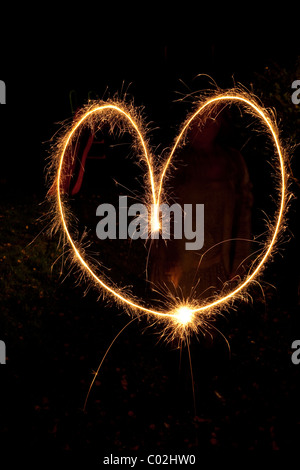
(155, 222)
(183, 315)
(111, 112)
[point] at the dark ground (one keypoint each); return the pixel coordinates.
(142, 400)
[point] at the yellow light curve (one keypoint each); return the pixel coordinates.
(182, 314)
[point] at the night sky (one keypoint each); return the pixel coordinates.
(38, 82)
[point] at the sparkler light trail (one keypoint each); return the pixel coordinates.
(190, 313)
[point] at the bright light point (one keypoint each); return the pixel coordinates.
(155, 226)
(155, 223)
(184, 315)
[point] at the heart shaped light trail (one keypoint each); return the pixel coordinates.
(183, 315)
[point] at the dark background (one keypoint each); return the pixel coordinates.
(142, 401)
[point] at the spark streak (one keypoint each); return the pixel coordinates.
(113, 112)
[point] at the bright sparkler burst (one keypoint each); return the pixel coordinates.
(179, 315)
(183, 315)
